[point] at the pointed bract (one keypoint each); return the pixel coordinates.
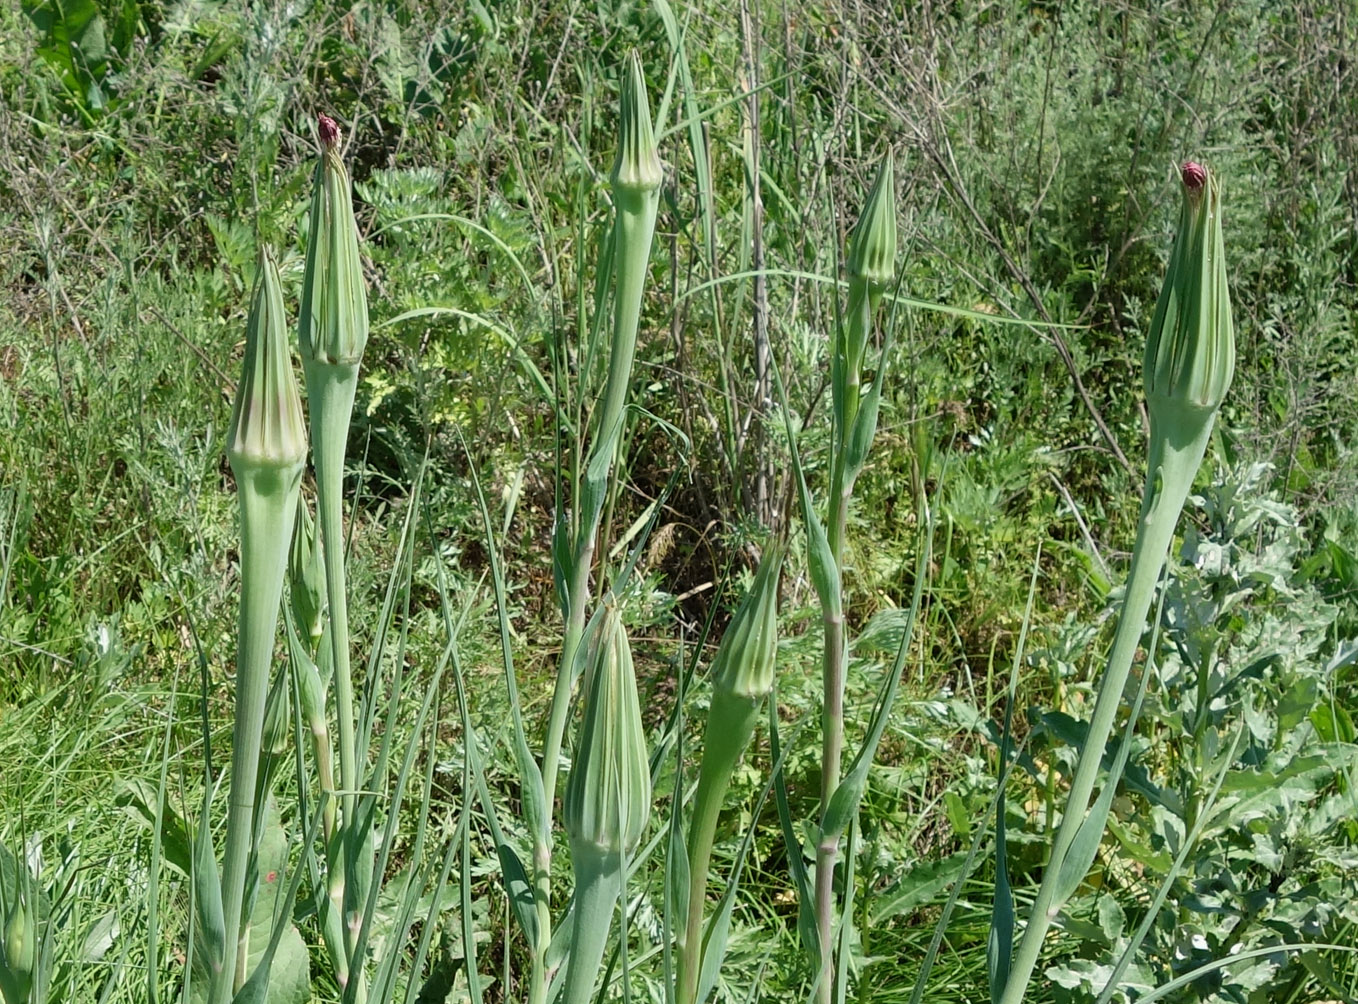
(872, 248)
(637, 167)
(745, 660)
(306, 576)
(1190, 353)
(608, 795)
(334, 321)
(267, 427)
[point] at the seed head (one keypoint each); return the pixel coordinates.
(1190, 353)
(608, 795)
(267, 427)
(637, 167)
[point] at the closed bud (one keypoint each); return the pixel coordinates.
(637, 167)
(278, 717)
(608, 795)
(742, 676)
(872, 248)
(20, 946)
(1190, 354)
(334, 322)
(745, 660)
(268, 432)
(306, 576)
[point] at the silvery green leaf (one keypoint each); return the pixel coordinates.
(100, 937)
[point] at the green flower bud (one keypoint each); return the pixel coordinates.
(268, 432)
(267, 448)
(742, 676)
(334, 322)
(278, 717)
(637, 167)
(20, 946)
(872, 248)
(306, 576)
(745, 659)
(1190, 354)
(608, 794)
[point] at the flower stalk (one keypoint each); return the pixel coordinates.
(1187, 370)
(636, 179)
(333, 333)
(742, 677)
(871, 268)
(266, 446)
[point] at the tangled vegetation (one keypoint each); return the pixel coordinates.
(726, 429)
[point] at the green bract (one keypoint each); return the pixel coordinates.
(334, 322)
(637, 165)
(267, 432)
(1190, 354)
(872, 248)
(306, 577)
(608, 795)
(743, 667)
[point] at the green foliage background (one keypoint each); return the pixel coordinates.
(146, 148)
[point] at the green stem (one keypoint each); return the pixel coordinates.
(598, 883)
(331, 388)
(848, 366)
(268, 500)
(730, 725)
(1175, 456)
(575, 629)
(632, 234)
(556, 729)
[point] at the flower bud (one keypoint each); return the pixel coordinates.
(306, 576)
(872, 248)
(637, 167)
(334, 322)
(278, 717)
(1190, 353)
(608, 794)
(20, 946)
(745, 660)
(268, 432)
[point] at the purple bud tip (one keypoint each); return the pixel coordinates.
(330, 132)
(1194, 175)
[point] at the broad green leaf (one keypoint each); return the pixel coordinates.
(918, 887)
(1333, 723)
(138, 799)
(1297, 703)
(283, 975)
